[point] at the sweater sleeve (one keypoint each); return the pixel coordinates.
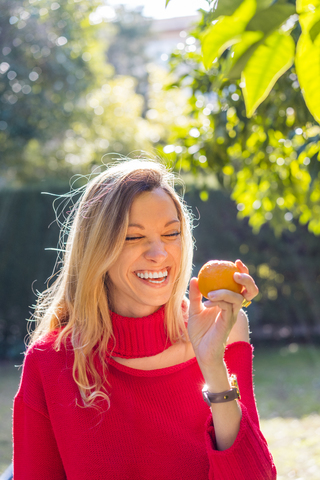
(249, 457)
(35, 451)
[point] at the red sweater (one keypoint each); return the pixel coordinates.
(157, 428)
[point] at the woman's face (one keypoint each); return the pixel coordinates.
(144, 274)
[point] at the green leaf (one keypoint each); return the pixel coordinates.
(263, 23)
(225, 32)
(304, 6)
(267, 64)
(218, 38)
(241, 53)
(238, 58)
(226, 7)
(308, 72)
(271, 18)
(263, 4)
(314, 31)
(308, 20)
(167, 1)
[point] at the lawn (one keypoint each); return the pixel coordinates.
(287, 386)
(8, 386)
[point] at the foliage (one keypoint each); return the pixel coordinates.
(43, 72)
(267, 158)
(261, 51)
(167, 110)
(62, 108)
(262, 48)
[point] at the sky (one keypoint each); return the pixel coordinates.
(157, 9)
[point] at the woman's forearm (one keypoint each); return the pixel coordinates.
(227, 415)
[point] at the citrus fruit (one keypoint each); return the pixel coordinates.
(218, 275)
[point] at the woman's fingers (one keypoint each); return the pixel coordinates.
(241, 266)
(225, 306)
(243, 278)
(250, 288)
(195, 298)
(224, 298)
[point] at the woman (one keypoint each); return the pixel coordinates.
(112, 379)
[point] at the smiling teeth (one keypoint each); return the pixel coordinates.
(147, 275)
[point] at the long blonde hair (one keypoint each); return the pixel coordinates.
(78, 299)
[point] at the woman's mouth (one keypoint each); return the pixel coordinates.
(157, 278)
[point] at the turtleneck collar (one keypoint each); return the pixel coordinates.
(138, 337)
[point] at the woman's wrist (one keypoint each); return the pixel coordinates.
(216, 378)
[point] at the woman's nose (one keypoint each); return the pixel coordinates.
(156, 251)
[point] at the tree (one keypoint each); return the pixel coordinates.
(257, 134)
(43, 72)
(62, 108)
(127, 45)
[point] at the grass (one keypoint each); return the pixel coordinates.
(287, 386)
(8, 388)
(287, 381)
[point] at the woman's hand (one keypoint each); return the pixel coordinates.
(211, 322)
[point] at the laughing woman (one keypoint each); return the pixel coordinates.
(112, 380)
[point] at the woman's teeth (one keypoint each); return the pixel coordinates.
(151, 276)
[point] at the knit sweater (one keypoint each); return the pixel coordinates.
(157, 427)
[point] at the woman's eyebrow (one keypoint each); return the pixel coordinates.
(137, 225)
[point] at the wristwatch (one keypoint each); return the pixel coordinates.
(227, 396)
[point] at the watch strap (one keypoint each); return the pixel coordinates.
(222, 397)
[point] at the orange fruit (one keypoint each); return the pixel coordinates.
(217, 275)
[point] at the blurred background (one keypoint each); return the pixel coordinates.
(83, 83)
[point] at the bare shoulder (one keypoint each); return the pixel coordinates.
(240, 331)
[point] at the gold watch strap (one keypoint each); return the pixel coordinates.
(245, 303)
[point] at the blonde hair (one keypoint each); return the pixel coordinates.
(78, 299)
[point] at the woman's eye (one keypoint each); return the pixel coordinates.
(176, 234)
(133, 238)
(169, 235)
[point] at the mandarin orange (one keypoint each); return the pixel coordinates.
(217, 275)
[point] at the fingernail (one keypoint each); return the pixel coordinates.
(212, 294)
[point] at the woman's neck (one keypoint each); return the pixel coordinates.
(180, 352)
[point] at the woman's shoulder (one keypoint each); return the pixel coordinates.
(47, 345)
(42, 365)
(44, 359)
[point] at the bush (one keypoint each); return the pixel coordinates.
(26, 229)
